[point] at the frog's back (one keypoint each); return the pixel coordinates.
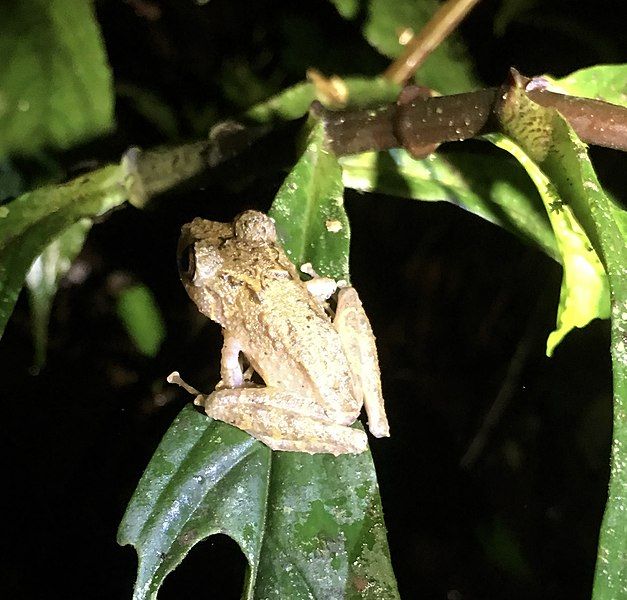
(298, 348)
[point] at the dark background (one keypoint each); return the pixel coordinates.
(460, 308)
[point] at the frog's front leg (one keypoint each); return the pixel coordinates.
(358, 343)
(321, 288)
(230, 366)
(283, 420)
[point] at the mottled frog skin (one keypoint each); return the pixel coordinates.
(318, 371)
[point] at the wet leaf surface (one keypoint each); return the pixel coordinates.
(310, 526)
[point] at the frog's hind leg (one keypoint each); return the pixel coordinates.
(283, 421)
(353, 326)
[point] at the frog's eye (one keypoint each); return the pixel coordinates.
(187, 262)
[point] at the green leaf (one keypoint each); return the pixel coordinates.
(620, 217)
(44, 276)
(448, 70)
(10, 183)
(563, 170)
(242, 86)
(571, 171)
(347, 8)
(291, 103)
(364, 92)
(294, 102)
(33, 220)
(585, 293)
(601, 82)
(142, 319)
(55, 84)
(558, 163)
(492, 187)
(309, 211)
(310, 526)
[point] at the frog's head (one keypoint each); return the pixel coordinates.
(206, 252)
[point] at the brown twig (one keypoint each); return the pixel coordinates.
(595, 122)
(152, 172)
(417, 123)
(445, 19)
(431, 121)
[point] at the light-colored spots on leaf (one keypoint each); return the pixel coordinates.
(585, 292)
(333, 225)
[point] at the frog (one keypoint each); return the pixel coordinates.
(295, 373)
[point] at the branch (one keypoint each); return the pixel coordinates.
(423, 123)
(595, 122)
(152, 172)
(417, 122)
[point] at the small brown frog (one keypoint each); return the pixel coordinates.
(317, 370)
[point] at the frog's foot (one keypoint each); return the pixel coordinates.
(283, 421)
(321, 288)
(175, 378)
